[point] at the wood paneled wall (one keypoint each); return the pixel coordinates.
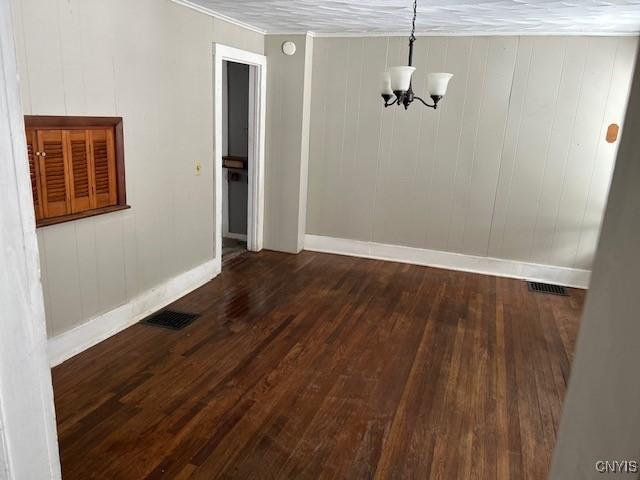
(600, 418)
(289, 80)
(150, 62)
(514, 164)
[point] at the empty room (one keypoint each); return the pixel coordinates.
(284, 239)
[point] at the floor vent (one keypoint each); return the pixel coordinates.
(170, 319)
(547, 288)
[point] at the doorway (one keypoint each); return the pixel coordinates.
(235, 159)
(239, 138)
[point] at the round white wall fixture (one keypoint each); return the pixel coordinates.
(288, 48)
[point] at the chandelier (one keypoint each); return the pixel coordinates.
(396, 82)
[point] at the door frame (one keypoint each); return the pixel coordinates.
(256, 137)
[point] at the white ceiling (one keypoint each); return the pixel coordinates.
(434, 16)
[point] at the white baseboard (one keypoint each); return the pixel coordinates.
(570, 277)
(72, 342)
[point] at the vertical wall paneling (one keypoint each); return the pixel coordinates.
(531, 137)
(519, 84)
(42, 51)
(599, 417)
(557, 150)
(73, 71)
(581, 158)
(151, 63)
(236, 36)
(605, 152)
(350, 118)
(491, 128)
(317, 145)
(63, 281)
(109, 257)
(88, 268)
(362, 162)
(337, 76)
(304, 142)
(273, 149)
(131, 257)
(23, 70)
(97, 50)
(425, 144)
(467, 146)
(440, 199)
(512, 165)
(288, 120)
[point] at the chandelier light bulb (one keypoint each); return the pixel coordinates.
(401, 78)
(385, 88)
(437, 83)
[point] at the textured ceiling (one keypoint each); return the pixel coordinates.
(444, 16)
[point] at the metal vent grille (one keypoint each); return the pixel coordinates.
(170, 319)
(547, 288)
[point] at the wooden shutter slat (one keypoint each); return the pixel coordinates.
(54, 173)
(79, 170)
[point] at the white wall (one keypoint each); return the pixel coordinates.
(289, 80)
(601, 419)
(28, 442)
(512, 165)
(149, 61)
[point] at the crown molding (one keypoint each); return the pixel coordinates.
(308, 33)
(467, 34)
(219, 16)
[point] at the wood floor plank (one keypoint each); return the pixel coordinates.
(324, 366)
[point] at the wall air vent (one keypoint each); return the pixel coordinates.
(170, 319)
(547, 288)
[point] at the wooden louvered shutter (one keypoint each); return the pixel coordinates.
(104, 167)
(54, 173)
(76, 166)
(80, 171)
(34, 172)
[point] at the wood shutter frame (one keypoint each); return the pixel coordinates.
(34, 172)
(76, 202)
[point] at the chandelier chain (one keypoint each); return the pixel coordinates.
(413, 25)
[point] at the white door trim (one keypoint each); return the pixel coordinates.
(257, 121)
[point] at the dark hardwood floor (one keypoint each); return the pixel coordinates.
(322, 366)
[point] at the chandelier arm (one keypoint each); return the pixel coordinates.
(415, 97)
(387, 104)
